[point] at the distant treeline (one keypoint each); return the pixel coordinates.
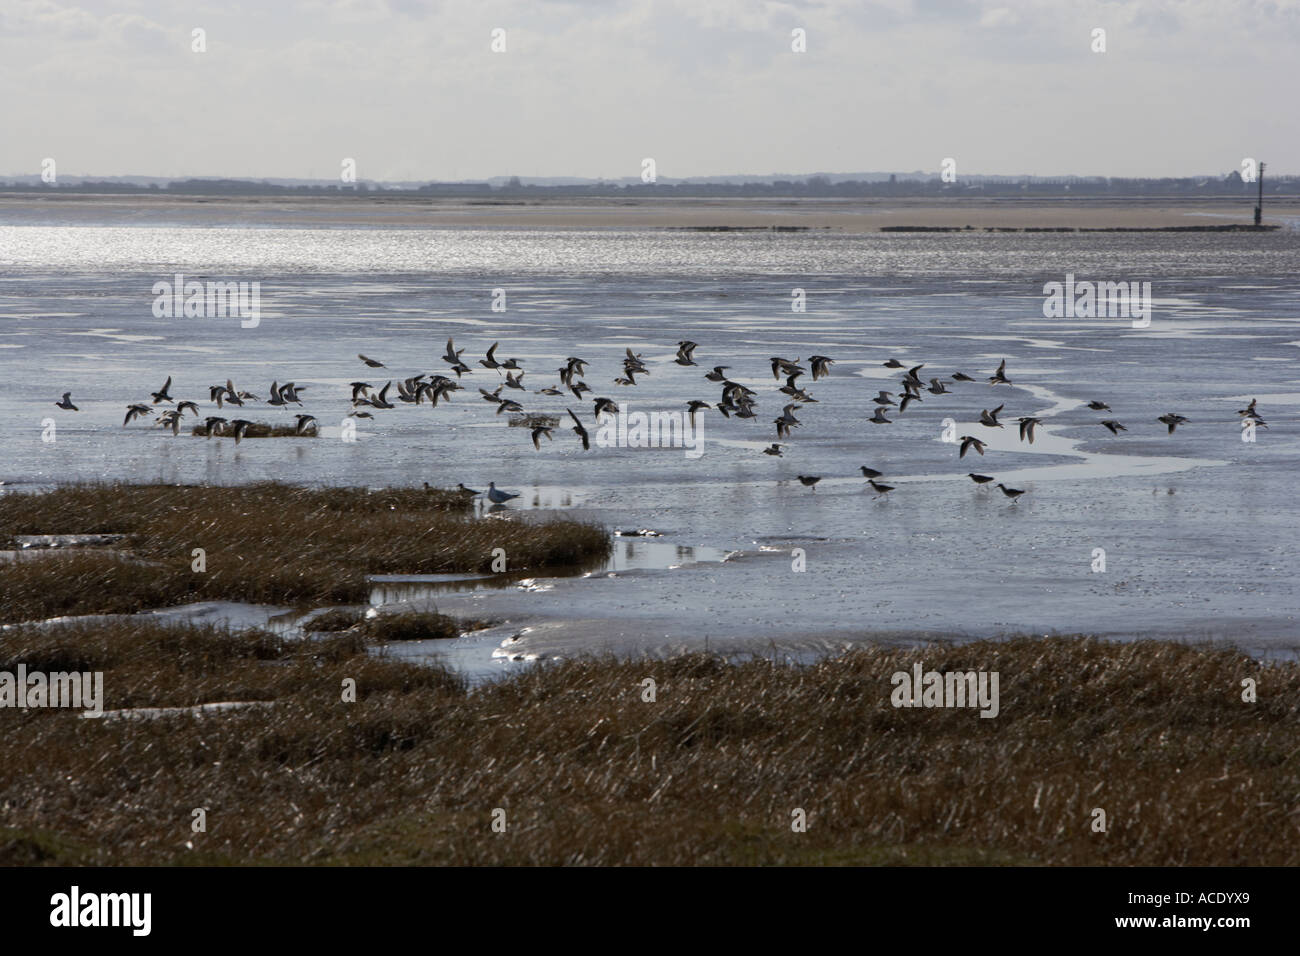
(1230, 227)
(1230, 187)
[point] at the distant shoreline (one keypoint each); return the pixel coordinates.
(697, 215)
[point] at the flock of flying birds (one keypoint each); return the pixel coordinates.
(736, 401)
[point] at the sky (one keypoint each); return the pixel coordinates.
(412, 90)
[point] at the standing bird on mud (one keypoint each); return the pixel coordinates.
(1012, 493)
(880, 489)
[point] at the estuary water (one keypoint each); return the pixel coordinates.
(1198, 530)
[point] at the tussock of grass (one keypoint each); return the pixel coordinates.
(259, 430)
(412, 626)
(386, 627)
(336, 619)
(266, 543)
(1156, 734)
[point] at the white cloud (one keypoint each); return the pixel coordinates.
(411, 89)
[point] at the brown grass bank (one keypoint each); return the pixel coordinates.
(589, 772)
(267, 543)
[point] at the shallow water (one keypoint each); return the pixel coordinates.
(1199, 528)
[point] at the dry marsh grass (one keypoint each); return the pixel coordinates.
(588, 772)
(266, 543)
(260, 430)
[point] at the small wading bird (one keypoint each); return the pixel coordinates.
(240, 428)
(1172, 420)
(170, 419)
(1012, 493)
(191, 406)
(967, 443)
(809, 481)
(466, 492)
(716, 375)
(1000, 376)
(1097, 406)
(786, 421)
(538, 432)
(66, 403)
(785, 367)
(821, 365)
(304, 422)
(1027, 428)
(134, 411)
(773, 449)
(371, 362)
(229, 394)
(961, 377)
(892, 363)
(575, 366)
(870, 472)
(979, 479)
(1114, 426)
(696, 406)
(161, 395)
(685, 351)
(989, 419)
(880, 489)
(497, 496)
(580, 431)
(879, 418)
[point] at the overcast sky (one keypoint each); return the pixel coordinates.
(412, 90)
